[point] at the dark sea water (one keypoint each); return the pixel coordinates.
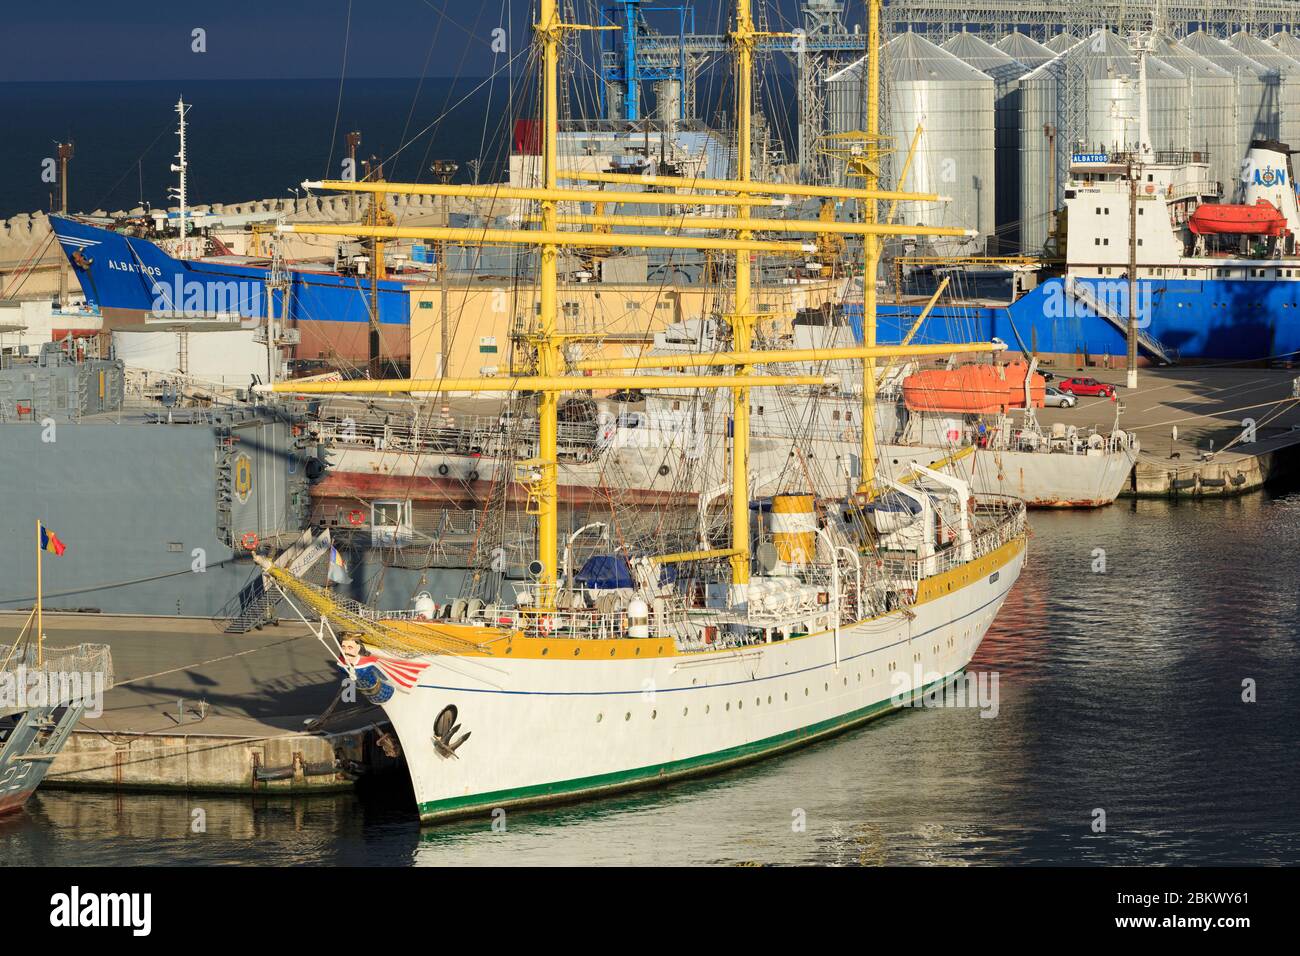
(247, 139)
(1119, 691)
(257, 139)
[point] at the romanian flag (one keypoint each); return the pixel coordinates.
(50, 541)
(338, 572)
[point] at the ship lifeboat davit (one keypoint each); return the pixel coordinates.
(972, 389)
(1261, 219)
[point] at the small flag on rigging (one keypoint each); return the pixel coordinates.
(338, 572)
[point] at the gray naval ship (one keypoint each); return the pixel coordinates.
(159, 506)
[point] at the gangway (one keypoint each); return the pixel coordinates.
(1082, 294)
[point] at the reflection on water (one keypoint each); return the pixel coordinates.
(1120, 691)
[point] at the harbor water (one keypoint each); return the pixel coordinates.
(1146, 713)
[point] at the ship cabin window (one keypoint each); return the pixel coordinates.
(390, 523)
(1139, 242)
(760, 409)
(835, 416)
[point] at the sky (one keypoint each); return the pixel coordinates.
(101, 40)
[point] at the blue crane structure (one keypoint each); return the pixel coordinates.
(657, 43)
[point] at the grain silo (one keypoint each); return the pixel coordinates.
(1061, 42)
(1288, 85)
(1107, 105)
(1212, 101)
(1029, 52)
(1005, 72)
(953, 103)
(1257, 91)
(1287, 42)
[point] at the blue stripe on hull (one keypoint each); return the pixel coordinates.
(1218, 319)
(134, 275)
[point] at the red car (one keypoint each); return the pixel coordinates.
(1086, 386)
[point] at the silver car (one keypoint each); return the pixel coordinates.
(1055, 398)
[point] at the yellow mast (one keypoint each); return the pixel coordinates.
(871, 250)
(548, 351)
(549, 379)
(741, 321)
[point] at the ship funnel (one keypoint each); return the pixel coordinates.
(1267, 175)
(794, 528)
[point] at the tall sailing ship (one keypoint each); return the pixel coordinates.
(819, 613)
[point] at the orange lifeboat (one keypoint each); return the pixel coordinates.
(1261, 219)
(972, 389)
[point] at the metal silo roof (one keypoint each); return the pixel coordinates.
(1029, 52)
(910, 58)
(1061, 42)
(1222, 54)
(1188, 61)
(985, 57)
(1286, 42)
(1263, 52)
(1108, 56)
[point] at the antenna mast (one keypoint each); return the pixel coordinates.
(181, 166)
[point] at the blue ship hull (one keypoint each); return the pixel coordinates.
(1201, 320)
(130, 278)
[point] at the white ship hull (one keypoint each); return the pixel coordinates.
(560, 719)
(1040, 479)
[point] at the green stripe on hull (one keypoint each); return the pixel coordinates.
(606, 784)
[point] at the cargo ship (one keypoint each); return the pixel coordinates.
(1216, 281)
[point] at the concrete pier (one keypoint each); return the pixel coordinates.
(194, 709)
(1215, 411)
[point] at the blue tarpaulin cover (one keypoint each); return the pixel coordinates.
(612, 571)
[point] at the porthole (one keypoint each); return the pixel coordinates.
(545, 651)
(786, 696)
(628, 715)
(599, 718)
(728, 705)
(654, 714)
(611, 652)
(707, 708)
(740, 705)
(805, 691)
(685, 711)
(769, 698)
(577, 651)
(826, 686)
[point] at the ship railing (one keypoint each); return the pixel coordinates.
(462, 435)
(1007, 523)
